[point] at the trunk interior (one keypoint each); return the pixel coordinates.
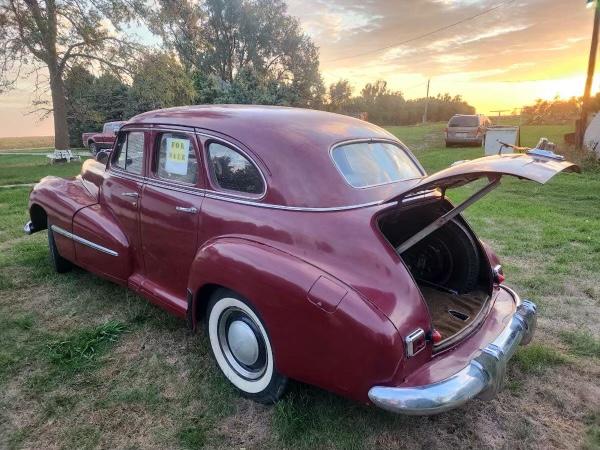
(448, 265)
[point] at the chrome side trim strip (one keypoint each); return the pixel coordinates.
(293, 208)
(233, 198)
(215, 195)
(83, 241)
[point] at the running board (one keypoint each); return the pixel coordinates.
(441, 221)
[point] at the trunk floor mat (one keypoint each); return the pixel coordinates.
(441, 303)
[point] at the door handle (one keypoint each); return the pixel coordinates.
(130, 194)
(190, 210)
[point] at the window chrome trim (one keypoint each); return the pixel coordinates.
(248, 199)
(218, 188)
(295, 208)
(188, 189)
(83, 241)
(375, 140)
(217, 195)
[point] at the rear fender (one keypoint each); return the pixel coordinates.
(331, 338)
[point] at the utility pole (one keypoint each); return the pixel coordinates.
(590, 75)
(426, 103)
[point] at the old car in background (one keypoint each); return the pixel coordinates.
(313, 246)
(103, 140)
(466, 129)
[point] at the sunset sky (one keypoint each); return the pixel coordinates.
(524, 50)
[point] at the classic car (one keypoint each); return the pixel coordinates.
(105, 139)
(312, 246)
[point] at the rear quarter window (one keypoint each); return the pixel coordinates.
(232, 171)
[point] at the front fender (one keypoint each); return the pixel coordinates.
(345, 346)
(61, 199)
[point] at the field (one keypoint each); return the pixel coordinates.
(34, 142)
(87, 364)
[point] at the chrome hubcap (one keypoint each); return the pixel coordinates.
(242, 342)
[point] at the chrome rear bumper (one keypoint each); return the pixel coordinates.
(482, 378)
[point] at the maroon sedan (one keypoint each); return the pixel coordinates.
(313, 246)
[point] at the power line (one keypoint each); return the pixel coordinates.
(487, 11)
(404, 90)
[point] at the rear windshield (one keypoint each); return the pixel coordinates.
(464, 121)
(367, 164)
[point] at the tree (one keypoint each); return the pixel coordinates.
(557, 110)
(92, 100)
(371, 92)
(222, 38)
(339, 95)
(55, 35)
(159, 82)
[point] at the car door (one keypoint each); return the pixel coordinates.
(122, 189)
(170, 216)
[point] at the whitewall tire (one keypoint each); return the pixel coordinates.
(241, 347)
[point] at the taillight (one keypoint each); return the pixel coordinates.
(436, 336)
(498, 274)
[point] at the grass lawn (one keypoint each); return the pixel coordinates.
(87, 364)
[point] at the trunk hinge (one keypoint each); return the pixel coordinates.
(441, 221)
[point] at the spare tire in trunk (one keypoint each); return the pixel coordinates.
(448, 257)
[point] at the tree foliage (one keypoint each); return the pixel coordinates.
(556, 111)
(242, 43)
(386, 107)
(92, 100)
(56, 35)
(159, 82)
(339, 96)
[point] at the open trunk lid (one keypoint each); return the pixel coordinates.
(535, 165)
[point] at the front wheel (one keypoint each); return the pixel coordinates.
(60, 264)
(242, 348)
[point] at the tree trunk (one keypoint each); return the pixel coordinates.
(59, 106)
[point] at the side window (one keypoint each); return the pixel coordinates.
(130, 152)
(232, 171)
(177, 158)
(120, 151)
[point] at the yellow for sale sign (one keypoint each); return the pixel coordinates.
(178, 151)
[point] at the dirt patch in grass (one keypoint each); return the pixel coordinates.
(249, 426)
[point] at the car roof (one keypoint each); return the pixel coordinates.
(290, 145)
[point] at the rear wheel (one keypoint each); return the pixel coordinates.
(60, 264)
(242, 348)
(93, 148)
